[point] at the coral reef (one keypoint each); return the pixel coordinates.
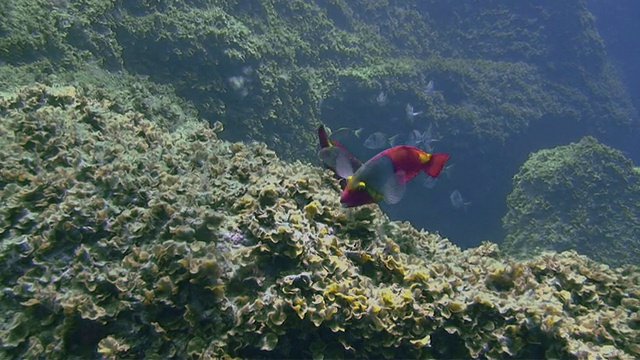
(122, 239)
(583, 196)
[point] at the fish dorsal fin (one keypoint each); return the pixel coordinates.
(343, 165)
(323, 137)
(394, 188)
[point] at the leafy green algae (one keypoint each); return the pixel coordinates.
(123, 238)
(584, 196)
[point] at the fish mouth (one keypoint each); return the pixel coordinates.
(344, 205)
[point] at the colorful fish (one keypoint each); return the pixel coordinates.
(384, 176)
(331, 149)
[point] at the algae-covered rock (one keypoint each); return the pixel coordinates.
(584, 196)
(510, 77)
(122, 239)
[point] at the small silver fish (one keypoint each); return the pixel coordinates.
(448, 169)
(410, 113)
(394, 140)
(239, 84)
(430, 89)
(414, 138)
(427, 147)
(427, 139)
(381, 99)
(429, 135)
(429, 182)
(377, 140)
(346, 131)
(247, 70)
(457, 201)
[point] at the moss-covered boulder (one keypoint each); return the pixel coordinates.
(584, 196)
(122, 238)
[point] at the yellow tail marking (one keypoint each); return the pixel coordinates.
(424, 157)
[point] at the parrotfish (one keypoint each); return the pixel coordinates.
(384, 176)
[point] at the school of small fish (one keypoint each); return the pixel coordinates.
(402, 157)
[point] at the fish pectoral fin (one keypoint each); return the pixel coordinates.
(343, 165)
(393, 190)
(329, 155)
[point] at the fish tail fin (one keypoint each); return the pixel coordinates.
(323, 137)
(434, 166)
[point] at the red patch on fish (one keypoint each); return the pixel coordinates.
(410, 159)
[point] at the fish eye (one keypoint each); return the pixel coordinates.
(361, 185)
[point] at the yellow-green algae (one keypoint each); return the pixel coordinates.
(121, 239)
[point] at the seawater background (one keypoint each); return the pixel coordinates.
(618, 25)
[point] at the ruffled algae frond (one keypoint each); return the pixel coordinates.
(121, 239)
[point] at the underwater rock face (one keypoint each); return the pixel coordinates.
(122, 239)
(510, 77)
(584, 196)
